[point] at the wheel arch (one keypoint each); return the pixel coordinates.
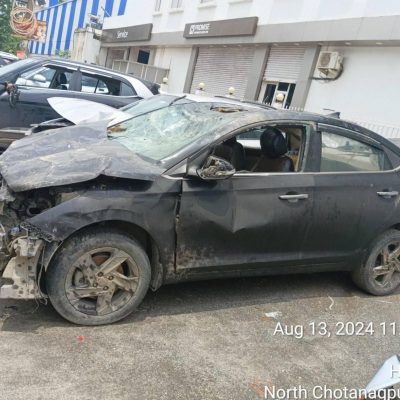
(128, 228)
(378, 233)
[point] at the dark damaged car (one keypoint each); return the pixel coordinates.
(194, 188)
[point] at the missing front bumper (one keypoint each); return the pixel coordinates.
(20, 276)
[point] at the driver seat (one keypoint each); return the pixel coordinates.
(233, 152)
(273, 149)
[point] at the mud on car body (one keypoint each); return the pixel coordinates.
(94, 215)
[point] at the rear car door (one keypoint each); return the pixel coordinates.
(106, 90)
(355, 196)
(247, 221)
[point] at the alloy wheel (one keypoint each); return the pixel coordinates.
(387, 264)
(102, 281)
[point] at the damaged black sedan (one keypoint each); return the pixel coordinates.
(194, 188)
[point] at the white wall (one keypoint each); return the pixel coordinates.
(177, 60)
(86, 48)
(368, 90)
(269, 11)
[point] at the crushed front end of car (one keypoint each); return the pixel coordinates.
(52, 184)
(21, 245)
(24, 247)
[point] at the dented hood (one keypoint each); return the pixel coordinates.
(70, 155)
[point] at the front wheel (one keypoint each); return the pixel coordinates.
(380, 275)
(98, 277)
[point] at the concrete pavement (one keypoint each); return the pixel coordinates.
(201, 340)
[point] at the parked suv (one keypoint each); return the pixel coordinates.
(27, 84)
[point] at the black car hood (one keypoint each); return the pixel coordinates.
(70, 155)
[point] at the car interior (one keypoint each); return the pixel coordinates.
(263, 149)
(88, 83)
(64, 79)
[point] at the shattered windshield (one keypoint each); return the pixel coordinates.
(162, 132)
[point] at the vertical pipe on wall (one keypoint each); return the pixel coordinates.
(306, 73)
(190, 72)
(256, 73)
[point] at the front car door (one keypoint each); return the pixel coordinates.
(35, 87)
(250, 219)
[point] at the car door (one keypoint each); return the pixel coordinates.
(249, 219)
(350, 204)
(35, 87)
(106, 90)
(30, 108)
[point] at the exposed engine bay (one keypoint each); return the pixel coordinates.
(22, 243)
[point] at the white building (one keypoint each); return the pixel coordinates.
(266, 47)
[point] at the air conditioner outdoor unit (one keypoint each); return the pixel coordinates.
(329, 61)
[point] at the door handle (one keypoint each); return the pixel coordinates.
(293, 198)
(388, 195)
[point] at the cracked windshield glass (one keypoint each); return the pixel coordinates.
(161, 128)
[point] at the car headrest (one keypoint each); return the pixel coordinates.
(231, 141)
(62, 79)
(273, 143)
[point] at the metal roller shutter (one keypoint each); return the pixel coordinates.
(284, 63)
(222, 67)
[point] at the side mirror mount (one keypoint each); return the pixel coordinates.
(216, 168)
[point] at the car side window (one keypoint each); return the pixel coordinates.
(92, 84)
(340, 154)
(266, 149)
(127, 90)
(38, 77)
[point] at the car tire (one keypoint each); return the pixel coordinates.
(75, 271)
(377, 275)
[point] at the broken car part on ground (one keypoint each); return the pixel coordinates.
(194, 188)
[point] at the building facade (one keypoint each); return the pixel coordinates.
(268, 50)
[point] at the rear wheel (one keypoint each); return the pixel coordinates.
(98, 277)
(380, 275)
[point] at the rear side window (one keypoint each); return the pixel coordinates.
(340, 154)
(127, 90)
(92, 84)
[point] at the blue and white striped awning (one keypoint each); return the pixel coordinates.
(63, 18)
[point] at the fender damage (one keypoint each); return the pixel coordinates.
(57, 182)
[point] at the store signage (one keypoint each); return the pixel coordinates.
(226, 27)
(127, 34)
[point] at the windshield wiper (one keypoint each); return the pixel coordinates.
(177, 99)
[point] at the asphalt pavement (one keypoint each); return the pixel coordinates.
(204, 340)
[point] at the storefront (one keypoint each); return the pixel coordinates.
(219, 68)
(222, 67)
(117, 39)
(217, 54)
(273, 58)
